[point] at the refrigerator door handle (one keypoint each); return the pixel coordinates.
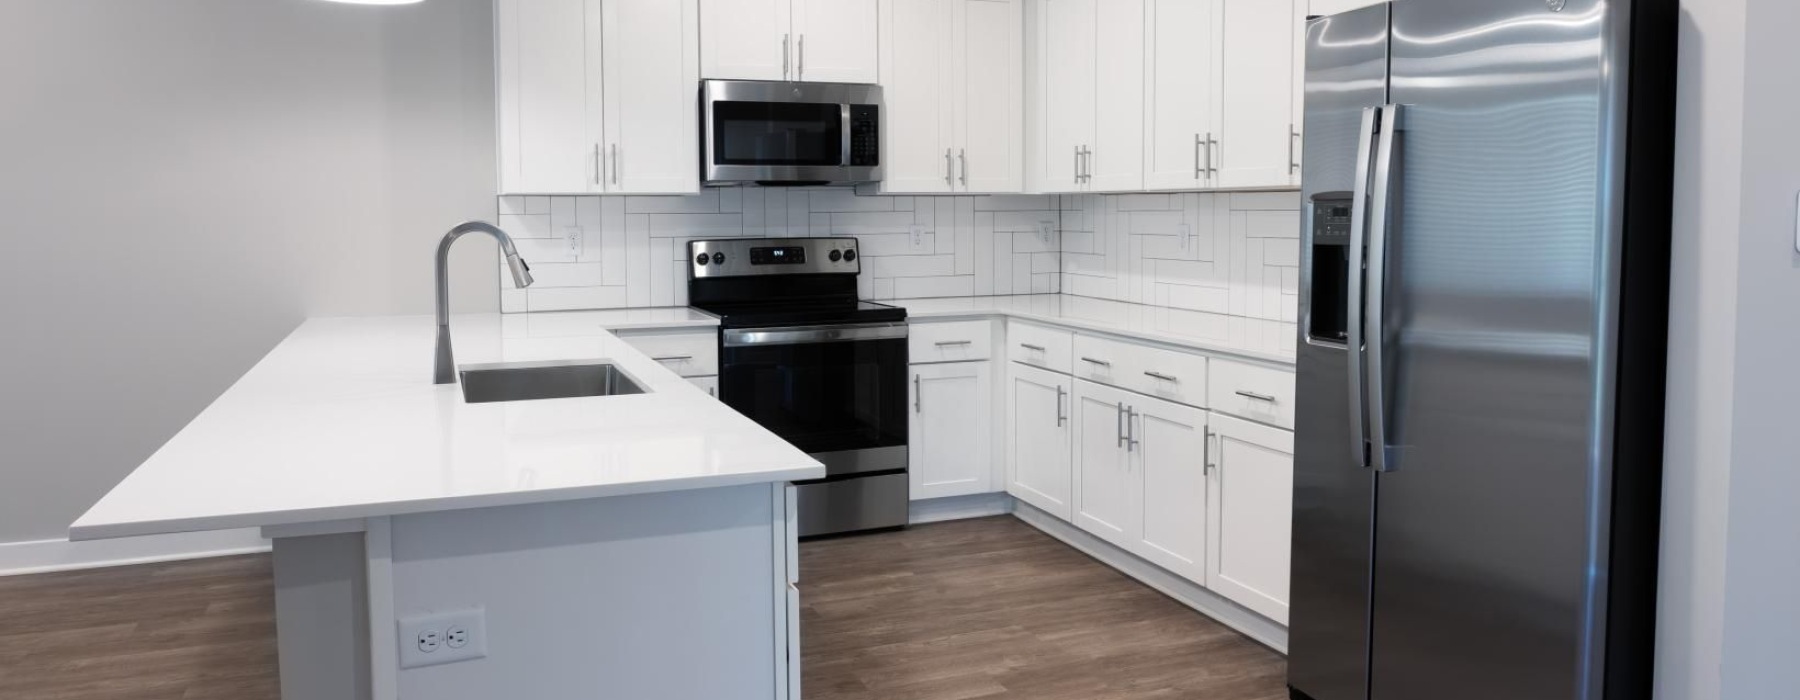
(1359, 216)
(1381, 455)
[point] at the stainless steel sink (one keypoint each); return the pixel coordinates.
(527, 381)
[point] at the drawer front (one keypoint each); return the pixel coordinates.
(1038, 346)
(1168, 374)
(1101, 360)
(953, 341)
(1261, 394)
(694, 354)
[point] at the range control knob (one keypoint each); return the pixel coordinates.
(701, 259)
(849, 256)
(718, 258)
(836, 255)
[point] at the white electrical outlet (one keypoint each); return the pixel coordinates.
(572, 237)
(918, 238)
(441, 638)
(1046, 231)
(1184, 231)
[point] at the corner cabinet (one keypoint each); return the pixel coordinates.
(952, 74)
(596, 96)
(811, 40)
(949, 435)
(1037, 438)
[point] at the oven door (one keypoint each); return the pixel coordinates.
(836, 392)
(790, 133)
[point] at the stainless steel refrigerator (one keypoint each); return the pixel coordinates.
(1482, 342)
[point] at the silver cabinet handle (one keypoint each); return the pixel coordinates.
(802, 67)
(1102, 363)
(949, 168)
(916, 395)
(1199, 172)
(673, 358)
(1060, 415)
(615, 164)
(1293, 160)
(1131, 440)
(946, 343)
(1206, 452)
(712, 391)
(1119, 426)
(962, 157)
(598, 173)
(1087, 164)
(1258, 397)
(1077, 164)
(784, 57)
(1210, 145)
(1164, 377)
(1029, 346)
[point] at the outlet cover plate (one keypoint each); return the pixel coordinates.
(471, 623)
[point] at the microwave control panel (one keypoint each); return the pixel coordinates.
(865, 135)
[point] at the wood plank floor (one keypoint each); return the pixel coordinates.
(993, 608)
(987, 608)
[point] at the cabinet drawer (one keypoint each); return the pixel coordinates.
(1038, 346)
(689, 354)
(1176, 376)
(954, 341)
(1261, 394)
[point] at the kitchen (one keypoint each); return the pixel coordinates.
(1072, 290)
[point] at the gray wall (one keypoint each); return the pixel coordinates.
(184, 181)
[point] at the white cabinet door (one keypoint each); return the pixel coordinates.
(916, 63)
(1067, 58)
(746, 39)
(651, 70)
(1178, 98)
(1117, 163)
(1251, 505)
(549, 96)
(950, 432)
(1168, 444)
(835, 41)
(989, 83)
(1037, 434)
(1256, 93)
(710, 385)
(1106, 489)
(1297, 103)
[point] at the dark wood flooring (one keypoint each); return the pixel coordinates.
(987, 608)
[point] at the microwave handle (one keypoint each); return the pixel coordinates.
(844, 149)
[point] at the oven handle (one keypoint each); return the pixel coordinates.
(795, 335)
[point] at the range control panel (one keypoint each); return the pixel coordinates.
(739, 257)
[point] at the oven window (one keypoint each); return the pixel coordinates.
(821, 397)
(777, 133)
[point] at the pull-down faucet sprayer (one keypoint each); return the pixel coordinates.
(444, 371)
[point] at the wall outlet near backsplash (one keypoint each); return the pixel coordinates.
(1234, 253)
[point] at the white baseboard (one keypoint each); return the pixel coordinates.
(979, 505)
(39, 556)
(1208, 603)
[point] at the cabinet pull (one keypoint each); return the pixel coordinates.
(1199, 172)
(1029, 346)
(962, 158)
(1131, 441)
(946, 343)
(712, 391)
(1206, 461)
(1119, 426)
(915, 393)
(1087, 164)
(1293, 162)
(784, 57)
(1060, 415)
(1212, 145)
(598, 173)
(1164, 377)
(615, 164)
(673, 358)
(1258, 397)
(801, 72)
(1077, 164)
(949, 168)
(1102, 363)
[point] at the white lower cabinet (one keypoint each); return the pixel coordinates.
(1168, 440)
(1106, 497)
(1251, 507)
(1037, 438)
(950, 434)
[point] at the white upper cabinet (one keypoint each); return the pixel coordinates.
(549, 95)
(1116, 159)
(952, 78)
(835, 41)
(1037, 439)
(950, 434)
(651, 71)
(1178, 104)
(1257, 147)
(597, 96)
(812, 40)
(1067, 57)
(746, 39)
(1251, 505)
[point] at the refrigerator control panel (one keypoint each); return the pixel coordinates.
(1328, 307)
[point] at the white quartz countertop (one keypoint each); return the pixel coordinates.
(341, 421)
(1271, 341)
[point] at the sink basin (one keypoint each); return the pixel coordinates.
(528, 381)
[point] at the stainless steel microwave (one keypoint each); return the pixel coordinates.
(782, 133)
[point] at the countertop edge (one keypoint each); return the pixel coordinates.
(1288, 361)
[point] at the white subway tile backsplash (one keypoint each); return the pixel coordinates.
(1220, 253)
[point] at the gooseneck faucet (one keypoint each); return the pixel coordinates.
(445, 369)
